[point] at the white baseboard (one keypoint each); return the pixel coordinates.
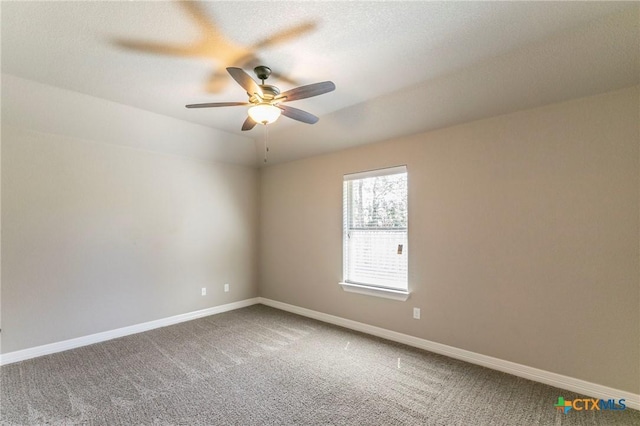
(37, 351)
(558, 380)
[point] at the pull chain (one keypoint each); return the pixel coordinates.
(266, 142)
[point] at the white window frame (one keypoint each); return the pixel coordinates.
(363, 288)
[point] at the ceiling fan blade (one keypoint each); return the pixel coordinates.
(217, 104)
(157, 48)
(248, 124)
(286, 35)
(197, 13)
(307, 91)
(284, 78)
(298, 114)
(245, 81)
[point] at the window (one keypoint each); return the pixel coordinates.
(375, 232)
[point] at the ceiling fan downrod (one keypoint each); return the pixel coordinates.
(262, 72)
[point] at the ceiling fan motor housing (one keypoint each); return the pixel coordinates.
(269, 91)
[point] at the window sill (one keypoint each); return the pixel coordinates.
(386, 293)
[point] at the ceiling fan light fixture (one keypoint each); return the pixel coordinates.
(264, 113)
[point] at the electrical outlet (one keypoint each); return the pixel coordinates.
(416, 313)
(204, 291)
(226, 288)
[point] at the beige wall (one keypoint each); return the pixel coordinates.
(523, 237)
(97, 236)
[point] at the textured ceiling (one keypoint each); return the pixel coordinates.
(399, 67)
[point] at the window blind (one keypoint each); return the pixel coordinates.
(375, 228)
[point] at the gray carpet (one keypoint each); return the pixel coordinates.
(262, 366)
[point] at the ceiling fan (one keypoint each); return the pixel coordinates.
(266, 100)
